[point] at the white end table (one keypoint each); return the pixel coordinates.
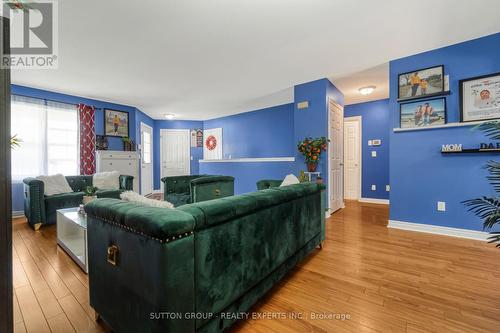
(72, 235)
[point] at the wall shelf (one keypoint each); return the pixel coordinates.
(472, 151)
(449, 125)
(251, 160)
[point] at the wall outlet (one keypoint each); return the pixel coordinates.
(441, 206)
(374, 153)
(374, 187)
(370, 142)
(387, 188)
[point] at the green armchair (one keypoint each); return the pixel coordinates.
(264, 184)
(181, 190)
(40, 209)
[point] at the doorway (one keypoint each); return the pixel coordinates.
(146, 159)
(335, 156)
(175, 152)
(352, 158)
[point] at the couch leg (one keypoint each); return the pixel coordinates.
(37, 226)
(320, 246)
(97, 316)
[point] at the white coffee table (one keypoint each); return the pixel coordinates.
(72, 235)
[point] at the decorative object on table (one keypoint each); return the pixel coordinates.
(302, 177)
(116, 123)
(101, 142)
(319, 180)
(128, 145)
(309, 175)
(425, 113)
(15, 142)
(480, 98)
(421, 83)
(81, 209)
(311, 149)
(89, 194)
(212, 148)
(488, 208)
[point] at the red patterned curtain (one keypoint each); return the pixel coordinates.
(87, 139)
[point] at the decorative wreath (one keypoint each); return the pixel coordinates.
(211, 142)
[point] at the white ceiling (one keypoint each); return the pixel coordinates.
(204, 59)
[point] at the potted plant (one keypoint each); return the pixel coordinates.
(312, 149)
(89, 194)
(127, 143)
(15, 141)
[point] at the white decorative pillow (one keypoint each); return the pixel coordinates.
(290, 180)
(107, 180)
(132, 196)
(55, 184)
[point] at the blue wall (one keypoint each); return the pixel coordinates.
(375, 125)
(261, 133)
(419, 175)
(313, 121)
(196, 153)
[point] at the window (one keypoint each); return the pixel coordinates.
(49, 134)
(146, 147)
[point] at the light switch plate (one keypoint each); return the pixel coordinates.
(441, 206)
(374, 153)
(388, 188)
(374, 187)
(370, 142)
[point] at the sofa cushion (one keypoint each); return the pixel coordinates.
(107, 180)
(79, 183)
(113, 194)
(178, 199)
(55, 184)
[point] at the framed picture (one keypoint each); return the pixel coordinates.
(116, 123)
(426, 113)
(421, 83)
(480, 98)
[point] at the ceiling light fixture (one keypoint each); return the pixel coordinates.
(367, 90)
(170, 116)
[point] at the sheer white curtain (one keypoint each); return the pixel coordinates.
(49, 134)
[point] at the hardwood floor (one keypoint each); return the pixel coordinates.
(379, 279)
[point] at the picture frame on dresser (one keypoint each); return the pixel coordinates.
(116, 123)
(480, 98)
(421, 83)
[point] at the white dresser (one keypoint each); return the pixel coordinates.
(125, 162)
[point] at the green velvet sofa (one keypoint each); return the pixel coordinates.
(264, 184)
(181, 190)
(196, 267)
(40, 209)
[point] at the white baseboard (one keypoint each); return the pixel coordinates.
(439, 230)
(157, 191)
(374, 201)
(17, 213)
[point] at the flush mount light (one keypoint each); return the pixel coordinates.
(367, 90)
(170, 116)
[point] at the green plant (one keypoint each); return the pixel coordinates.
(312, 148)
(90, 191)
(488, 208)
(302, 177)
(126, 139)
(15, 141)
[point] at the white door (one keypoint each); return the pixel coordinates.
(175, 152)
(146, 159)
(352, 158)
(335, 155)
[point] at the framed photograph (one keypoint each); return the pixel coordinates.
(421, 83)
(116, 123)
(426, 113)
(480, 98)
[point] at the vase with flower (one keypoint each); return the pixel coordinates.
(312, 148)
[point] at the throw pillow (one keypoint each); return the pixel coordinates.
(290, 180)
(132, 196)
(107, 180)
(55, 184)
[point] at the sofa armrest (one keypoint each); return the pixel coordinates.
(126, 182)
(34, 204)
(264, 184)
(211, 187)
(176, 184)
